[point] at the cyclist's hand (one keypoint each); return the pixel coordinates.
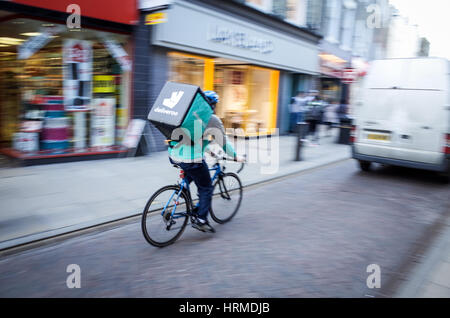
(239, 158)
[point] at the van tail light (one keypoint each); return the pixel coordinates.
(447, 144)
(353, 134)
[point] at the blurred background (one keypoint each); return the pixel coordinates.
(256, 54)
(366, 79)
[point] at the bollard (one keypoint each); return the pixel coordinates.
(344, 131)
(302, 129)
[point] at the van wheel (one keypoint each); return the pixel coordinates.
(365, 165)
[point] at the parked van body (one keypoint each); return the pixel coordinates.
(402, 115)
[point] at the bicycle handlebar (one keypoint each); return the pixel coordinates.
(228, 159)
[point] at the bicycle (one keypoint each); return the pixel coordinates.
(170, 207)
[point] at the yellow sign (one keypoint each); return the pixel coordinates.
(104, 84)
(155, 18)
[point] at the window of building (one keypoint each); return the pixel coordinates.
(67, 94)
(186, 69)
(348, 24)
(334, 9)
(314, 14)
(263, 5)
(296, 11)
(248, 94)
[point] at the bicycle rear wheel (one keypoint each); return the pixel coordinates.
(161, 225)
(227, 197)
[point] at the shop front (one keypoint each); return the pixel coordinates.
(242, 61)
(332, 68)
(64, 92)
(248, 93)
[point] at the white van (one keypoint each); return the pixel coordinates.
(402, 115)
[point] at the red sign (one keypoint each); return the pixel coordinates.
(121, 11)
(349, 75)
(78, 54)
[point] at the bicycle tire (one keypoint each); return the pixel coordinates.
(156, 211)
(220, 196)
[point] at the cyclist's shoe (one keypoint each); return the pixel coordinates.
(202, 225)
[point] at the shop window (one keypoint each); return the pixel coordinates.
(248, 98)
(248, 94)
(68, 94)
(186, 69)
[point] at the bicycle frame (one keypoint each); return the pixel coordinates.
(185, 185)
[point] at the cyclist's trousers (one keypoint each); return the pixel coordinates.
(199, 173)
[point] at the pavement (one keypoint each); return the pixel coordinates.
(430, 278)
(39, 202)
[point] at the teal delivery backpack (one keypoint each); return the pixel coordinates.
(180, 106)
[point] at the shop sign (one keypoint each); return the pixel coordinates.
(331, 65)
(35, 43)
(153, 4)
(103, 122)
(77, 59)
(349, 75)
(240, 39)
(155, 18)
(104, 84)
(117, 51)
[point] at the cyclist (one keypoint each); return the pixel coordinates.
(195, 168)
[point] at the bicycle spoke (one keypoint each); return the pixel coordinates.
(167, 205)
(227, 199)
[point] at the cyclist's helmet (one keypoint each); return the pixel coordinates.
(212, 97)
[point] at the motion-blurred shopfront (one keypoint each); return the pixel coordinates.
(248, 93)
(244, 61)
(65, 86)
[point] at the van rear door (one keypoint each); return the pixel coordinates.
(380, 100)
(403, 116)
(420, 120)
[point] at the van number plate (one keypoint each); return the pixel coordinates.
(378, 137)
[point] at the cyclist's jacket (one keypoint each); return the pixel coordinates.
(190, 152)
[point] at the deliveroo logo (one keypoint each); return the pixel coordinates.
(173, 100)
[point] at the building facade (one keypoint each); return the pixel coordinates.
(251, 58)
(66, 80)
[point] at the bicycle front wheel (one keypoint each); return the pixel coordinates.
(165, 216)
(227, 197)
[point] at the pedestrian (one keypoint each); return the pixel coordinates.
(314, 118)
(342, 113)
(297, 108)
(331, 118)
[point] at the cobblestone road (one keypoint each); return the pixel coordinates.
(311, 235)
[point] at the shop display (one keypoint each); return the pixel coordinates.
(55, 131)
(75, 85)
(77, 59)
(103, 122)
(246, 98)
